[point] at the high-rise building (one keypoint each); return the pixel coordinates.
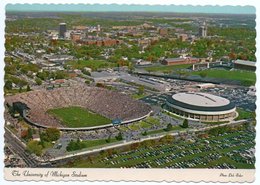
(203, 30)
(62, 30)
(98, 28)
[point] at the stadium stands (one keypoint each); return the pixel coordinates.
(110, 104)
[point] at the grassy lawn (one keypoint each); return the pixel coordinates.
(144, 124)
(244, 114)
(246, 77)
(123, 128)
(155, 132)
(167, 68)
(163, 130)
(98, 142)
(89, 144)
(134, 126)
(152, 120)
(93, 64)
(138, 96)
(78, 117)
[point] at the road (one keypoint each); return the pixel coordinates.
(18, 148)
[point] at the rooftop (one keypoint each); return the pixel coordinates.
(245, 62)
(201, 99)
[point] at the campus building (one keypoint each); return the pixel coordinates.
(179, 61)
(62, 30)
(203, 30)
(201, 107)
(244, 65)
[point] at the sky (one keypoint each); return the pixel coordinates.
(129, 8)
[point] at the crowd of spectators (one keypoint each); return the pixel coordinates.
(110, 104)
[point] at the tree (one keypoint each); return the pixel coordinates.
(53, 134)
(87, 81)
(203, 74)
(146, 143)
(134, 146)
(50, 134)
(232, 56)
(34, 147)
(169, 127)
(75, 145)
(167, 139)
(27, 134)
(61, 75)
(144, 133)
(28, 88)
(8, 85)
(85, 72)
(119, 137)
(100, 85)
(185, 124)
(141, 90)
(130, 67)
(108, 140)
(38, 81)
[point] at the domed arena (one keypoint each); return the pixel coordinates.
(55, 108)
(201, 107)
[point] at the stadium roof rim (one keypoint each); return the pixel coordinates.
(225, 107)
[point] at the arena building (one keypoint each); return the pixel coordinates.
(201, 107)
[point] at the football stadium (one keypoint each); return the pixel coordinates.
(77, 108)
(201, 107)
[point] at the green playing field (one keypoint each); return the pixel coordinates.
(79, 117)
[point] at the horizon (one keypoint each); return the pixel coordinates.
(209, 9)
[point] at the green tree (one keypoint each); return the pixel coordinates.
(38, 81)
(185, 123)
(144, 133)
(141, 90)
(53, 134)
(119, 137)
(50, 134)
(130, 67)
(169, 127)
(85, 72)
(34, 147)
(108, 140)
(8, 85)
(167, 139)
(61, 75)
(28, 88)
(75, 145)
(87, 81)
(203, 74)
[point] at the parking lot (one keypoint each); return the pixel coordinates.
(230, 150)
(237, 95)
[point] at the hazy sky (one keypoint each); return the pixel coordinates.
(127, 8)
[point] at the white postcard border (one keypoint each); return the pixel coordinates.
(115, 171)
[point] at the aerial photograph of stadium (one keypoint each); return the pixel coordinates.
(132, 87)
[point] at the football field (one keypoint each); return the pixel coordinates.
(78, 117)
